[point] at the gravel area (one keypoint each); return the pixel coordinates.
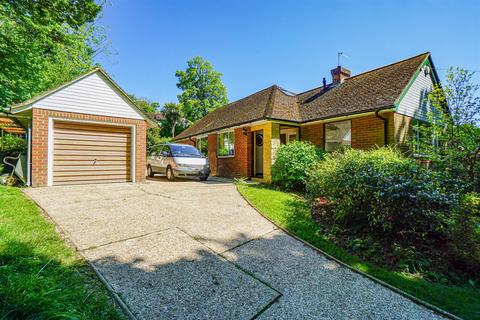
(315, 287)
(196, 250)
(169, 275)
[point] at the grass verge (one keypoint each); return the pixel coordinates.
(40, 276)
(292, 213)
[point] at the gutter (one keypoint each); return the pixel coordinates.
(385, 127)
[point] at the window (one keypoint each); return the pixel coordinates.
(185, 150)
(337, 135)
(202, 145)
(226, 144)
(288, 134)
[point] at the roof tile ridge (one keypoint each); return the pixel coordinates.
(388, 65)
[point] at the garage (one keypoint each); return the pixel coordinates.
(85, 131)
(91, 153)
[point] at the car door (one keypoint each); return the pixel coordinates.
(153, 157)
(164, 158)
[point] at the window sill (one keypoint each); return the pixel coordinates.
(225, 157)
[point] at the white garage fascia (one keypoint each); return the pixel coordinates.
(50, 141)
(93, 93)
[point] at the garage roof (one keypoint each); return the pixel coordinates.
(28, 104)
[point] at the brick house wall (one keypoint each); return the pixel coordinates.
(240, 164)
(40, 141)
(403, 130)
(313, 133)
(367, 132)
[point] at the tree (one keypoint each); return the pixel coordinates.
(174, 118)
(202, 89)
(451, 139)
(147, 106)
(44, 43)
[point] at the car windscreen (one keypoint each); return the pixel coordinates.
(185, 151)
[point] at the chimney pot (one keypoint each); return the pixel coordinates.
(339, 74)
(324, 83)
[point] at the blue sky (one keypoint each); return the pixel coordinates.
(290, 43)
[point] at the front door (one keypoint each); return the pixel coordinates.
(258, 153)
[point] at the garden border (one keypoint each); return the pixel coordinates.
(389, 286)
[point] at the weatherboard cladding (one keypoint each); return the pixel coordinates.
(373, 90)
(90, 95)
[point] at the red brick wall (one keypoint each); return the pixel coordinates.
(313, 133)
(237, 166)
(40, 141)
(367, 132)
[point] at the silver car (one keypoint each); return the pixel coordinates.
(177, 160)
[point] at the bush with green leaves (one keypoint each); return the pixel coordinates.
(292, 161)
(417, 215)
(12, 143)
(383, 190)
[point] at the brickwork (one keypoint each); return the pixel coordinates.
(368, 131)
(313, 133)
(240, 164)
(40, 141)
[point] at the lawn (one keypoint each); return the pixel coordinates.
(292, 213)
(40, 276)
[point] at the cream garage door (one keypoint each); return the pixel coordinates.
(90, 153)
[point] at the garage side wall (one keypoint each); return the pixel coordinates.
(40, 118)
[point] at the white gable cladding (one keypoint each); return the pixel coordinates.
(414, 103)
(90, 95)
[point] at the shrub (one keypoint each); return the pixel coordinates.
(414, 213)
(13, 143)
(292, 162)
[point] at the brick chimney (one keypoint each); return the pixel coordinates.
(339, 74)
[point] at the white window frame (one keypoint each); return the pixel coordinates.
(233, 143)
(50, 136)
(326, 129)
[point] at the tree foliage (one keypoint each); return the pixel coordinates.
(43, 44)
(147, 106)
(175, 120)
(451, 139)
(202, 89)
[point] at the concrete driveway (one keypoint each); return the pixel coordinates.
(197, 250)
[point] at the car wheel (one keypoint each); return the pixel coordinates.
(150, 172)
(170, 176)
(204, 178)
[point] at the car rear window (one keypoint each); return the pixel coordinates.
(185, 151)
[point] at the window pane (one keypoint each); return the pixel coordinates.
(202, 145)
(226, 144)
(338, 134)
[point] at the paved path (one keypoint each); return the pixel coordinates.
(197, 250)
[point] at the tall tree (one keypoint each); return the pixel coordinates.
(452, 137)
(202, 89)
(174, 118)
(44, 43)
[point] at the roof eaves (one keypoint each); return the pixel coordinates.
(386, 107)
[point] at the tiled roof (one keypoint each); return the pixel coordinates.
(368, 91)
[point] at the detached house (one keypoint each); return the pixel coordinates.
(374, 108)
